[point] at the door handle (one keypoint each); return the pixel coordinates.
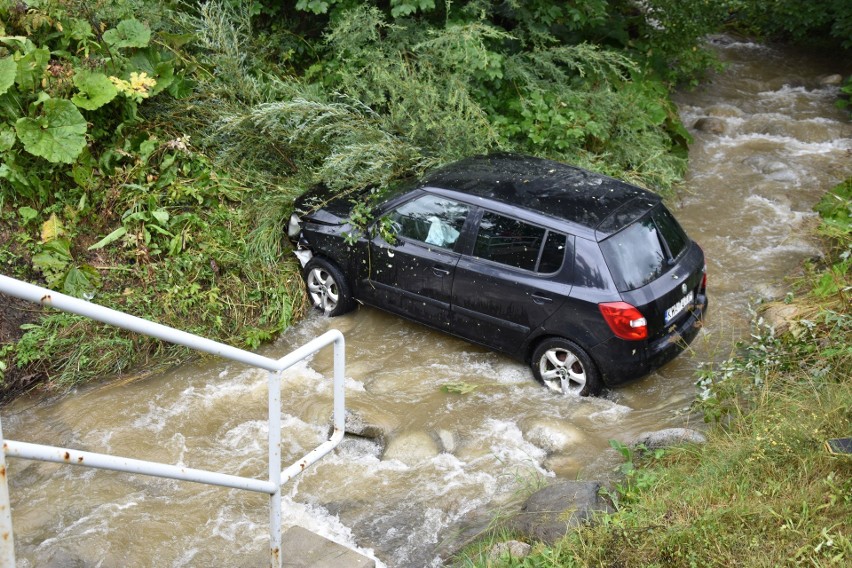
(541, 299)
(440, 271)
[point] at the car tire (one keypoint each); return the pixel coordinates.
(559, 363)
(327, 287)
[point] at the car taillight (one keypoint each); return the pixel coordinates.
(624, 320)
(704, 280)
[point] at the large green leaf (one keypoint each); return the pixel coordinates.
(96, 89)
(128, 33)
(58, 135)
(59, 248)
(7, 137)
(31, 68)
(8, 69)
(81, 281)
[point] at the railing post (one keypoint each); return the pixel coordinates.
(7, 542)
(275, 552)
(339, 415)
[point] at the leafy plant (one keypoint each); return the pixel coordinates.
(58, 115)
(835, 210)
(635, 479)
(95, 89)
(57, 134)
(57, 265)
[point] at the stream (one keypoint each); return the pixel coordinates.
(446, 456)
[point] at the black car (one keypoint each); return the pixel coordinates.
(588, 279)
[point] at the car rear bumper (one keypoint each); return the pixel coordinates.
(621, 361)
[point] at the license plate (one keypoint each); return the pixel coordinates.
(679, 307)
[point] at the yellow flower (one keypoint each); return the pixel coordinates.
(138, 88)
(120, 84)
(141, 83)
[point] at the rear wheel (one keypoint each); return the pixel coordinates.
(563, 367)
(327, 287)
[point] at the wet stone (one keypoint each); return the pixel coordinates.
(565, 466)
(780, 316)
(669, 437)
(353, 447)
(552, 435)
(711, 125)
(512, 549)
(411, 448)
(765, 292)
(831, 80)
(357, 425)
(549, 513)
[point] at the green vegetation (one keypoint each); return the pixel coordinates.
(764, 491)
(150, 150)
(101, 200)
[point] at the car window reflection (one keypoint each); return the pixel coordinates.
(518, 244)
(430, 219)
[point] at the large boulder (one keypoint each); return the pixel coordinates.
(549, 513)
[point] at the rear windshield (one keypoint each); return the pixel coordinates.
(644, 250)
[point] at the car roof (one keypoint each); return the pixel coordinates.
(585, 198)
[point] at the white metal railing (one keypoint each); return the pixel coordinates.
(277, 476)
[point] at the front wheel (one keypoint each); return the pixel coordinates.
(563, 366)
(327, 287)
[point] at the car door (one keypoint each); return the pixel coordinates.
(412, 258)
(511, 283)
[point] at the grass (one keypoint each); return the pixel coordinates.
(764, 490)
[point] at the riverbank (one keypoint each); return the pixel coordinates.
(765, 490)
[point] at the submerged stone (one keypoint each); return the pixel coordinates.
(552, 435)
(411, 448)
(711, 125)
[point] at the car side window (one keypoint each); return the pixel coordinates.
(518, 244)
(430, 219)
(553, 253)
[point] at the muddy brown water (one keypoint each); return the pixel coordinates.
(747, 201)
